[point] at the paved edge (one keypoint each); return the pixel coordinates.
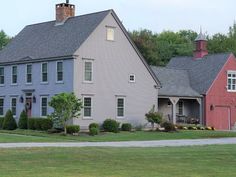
(159, 143)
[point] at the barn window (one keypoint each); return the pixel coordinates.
(231, 80)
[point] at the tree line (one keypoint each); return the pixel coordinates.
(159, 48)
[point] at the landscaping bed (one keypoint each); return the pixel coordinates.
(39, 136)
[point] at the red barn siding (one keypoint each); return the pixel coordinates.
(220, 105)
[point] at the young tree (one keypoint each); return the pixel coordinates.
(153, 117)
(23, 121)
(9, 123)
(66, 106)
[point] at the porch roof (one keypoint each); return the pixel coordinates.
(175, 82)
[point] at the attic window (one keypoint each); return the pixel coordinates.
(110, 33)
(132, 78)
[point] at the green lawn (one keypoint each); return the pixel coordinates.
(197, 161)
(35, 136)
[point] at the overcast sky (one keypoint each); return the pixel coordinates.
(157, 15)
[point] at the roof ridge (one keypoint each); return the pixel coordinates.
(93, 13)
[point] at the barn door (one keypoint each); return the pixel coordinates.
(221, 120)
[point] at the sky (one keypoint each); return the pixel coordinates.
(157, 15)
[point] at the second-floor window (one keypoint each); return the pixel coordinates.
(44, 72)
(14, 75)
(2, 79)
(29, 73)
(231, 81)
(59, 71)
(88, 71)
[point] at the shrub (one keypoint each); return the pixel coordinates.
(180, 127)
(93, 131)
(1, 122)
(110, 125)
(43, 124)
(208, 128)
(126, 127)
(23, 121)
(31, 122)
(93, 125)
(168, 126)
(71, 129)
(9, 123)
(46, 124)
(37, 123)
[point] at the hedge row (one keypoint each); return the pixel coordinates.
(40, 124)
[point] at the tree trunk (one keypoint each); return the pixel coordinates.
(65, 130)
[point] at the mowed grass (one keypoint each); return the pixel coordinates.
(197, 161)
(36, 136)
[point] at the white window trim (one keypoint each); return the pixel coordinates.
(60, 82)
(41, 97)
(120, 117)
(28, 83)
(134, 78)
(12, 75)
(84, 61)
(2, 106)
(107, 28)
(43, 82)
(1, 85)
(11, 105)
(230, 72)
(88, 117)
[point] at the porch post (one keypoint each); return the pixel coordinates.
(199, 100)
(174, 101)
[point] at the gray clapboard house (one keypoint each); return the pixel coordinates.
(91, 55)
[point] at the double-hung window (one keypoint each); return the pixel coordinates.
(87, 101)
(29, 74)
(44, 106)
(14, 75)
(1, 106)
(231, 78)
(2, 79)
(88, 75)
(13, 106)
(120, 107)
(59, 71)
(44, 74)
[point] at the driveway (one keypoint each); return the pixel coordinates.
(160, 143)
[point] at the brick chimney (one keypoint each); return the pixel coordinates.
(201, 46)
(64, 11)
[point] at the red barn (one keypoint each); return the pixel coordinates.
(213, 77)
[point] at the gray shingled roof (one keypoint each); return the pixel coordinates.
(202, 72)
(46, 40)
(174, 82)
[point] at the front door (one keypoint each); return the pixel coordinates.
(28, 106)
